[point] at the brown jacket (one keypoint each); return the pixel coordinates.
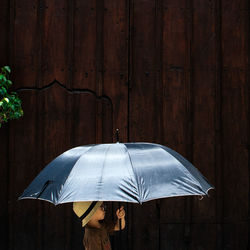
(98, 238)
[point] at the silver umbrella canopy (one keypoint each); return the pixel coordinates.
(129, 172)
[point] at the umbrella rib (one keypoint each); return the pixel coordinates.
(138, 186)
(60, 194)
(100, 181)
(194, 178)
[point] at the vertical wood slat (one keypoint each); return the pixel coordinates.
(172, 236)
(247, 145)
(85, 43)
(144, 102)
(99, 66)
(23, 160)
(206, 233)
(218, 131)
(115, 62)
(235, 50)
(4, 131)
(25, 43)
(4, 179)
(4, 26)
(54, 42)
(234, 45)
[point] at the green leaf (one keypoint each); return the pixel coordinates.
(3, 79)
(9, 83)
(6, 99)
(3, 92)
(7, 69)
(10, 104)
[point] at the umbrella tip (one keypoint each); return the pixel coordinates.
(117, 135)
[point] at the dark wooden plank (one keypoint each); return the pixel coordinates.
(203, 236)
(145, 88)
(145, 231)
(171, 4)
(235, 122)
(172, 236)
(4, 27)
(23, 167)
(85, 45)
(83, 118)
(236, 5)
(54, 45)
(235, 131)
(204, 53)
(115, 62)
(4, 180)
(236, 236)
(173, 210)
(236, 183)
(25, 43)
(116, 33)
(233, 36)
(174, 108)
(235, 107)
(4, 175)
(174, 35)
(204, 106)
(118, 94)
(107, 124)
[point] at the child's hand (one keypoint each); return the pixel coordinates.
(120, 213)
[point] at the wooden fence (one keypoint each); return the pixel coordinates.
(174, 72)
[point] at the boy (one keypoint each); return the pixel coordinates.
(97, 231)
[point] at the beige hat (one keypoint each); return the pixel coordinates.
(85, 209)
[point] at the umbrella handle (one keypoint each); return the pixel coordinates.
(120, 224)
(120, 221)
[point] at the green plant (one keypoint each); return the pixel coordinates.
(10, 104)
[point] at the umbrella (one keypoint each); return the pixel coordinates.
(128, 172)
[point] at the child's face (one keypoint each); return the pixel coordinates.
(99, 214)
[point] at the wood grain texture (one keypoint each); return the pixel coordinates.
(115, 62)
(25, 43)
(23, 164)
(84, 48)
(171, 72)
(4, 131)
